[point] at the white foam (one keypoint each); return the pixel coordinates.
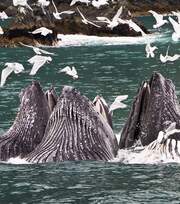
(17, 160)
(144, 155)
(85, 40)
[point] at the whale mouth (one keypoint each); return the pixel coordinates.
(154, 108)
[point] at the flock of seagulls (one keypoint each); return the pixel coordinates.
(175, 36)
(39, 60)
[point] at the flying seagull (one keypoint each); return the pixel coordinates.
(43, 4)
(70, 71)
(177, 14)
(81, 1)
(85, 21)
(115, 20)
(3, 15)
(43, 31)
(176, 26)
(37, 50)
(38, 61)
(167, 57)
(57, 14)
(9, 68)
(150, 50)
(159, 19)
(118, 103)
(22, 3)
(98, 3)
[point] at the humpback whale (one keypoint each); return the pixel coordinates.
(153, 109)
(75, 131)
(51, 97)
(29, 126)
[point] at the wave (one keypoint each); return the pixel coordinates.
(85, 40)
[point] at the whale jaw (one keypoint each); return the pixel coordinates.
(29, 126)
(153, 109)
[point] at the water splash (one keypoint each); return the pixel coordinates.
(85, 40)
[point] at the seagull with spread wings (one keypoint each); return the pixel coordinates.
(70, 71)
(43, 31)
(38, 61)
(57, 14)
(159, 19)
(85, 21)
(37, 50)
(9, 68)
(176, 26)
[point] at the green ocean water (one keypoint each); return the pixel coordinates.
(108, 70)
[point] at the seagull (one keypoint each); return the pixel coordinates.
(57, 14)
(1, 31)
(22, 10)
(3, 15)
(115, 20)
(150, 50)
(135, 27)
(38, 61)
(117, 103)
(166, 58)
(44, 31)
(81, 1)
(70, 71)
(176, 26)
(85, 21)
(10, 67)
(159, 19)
(42, 4)
(98, 3)
(37, 50)
(177, 14)
(22, 3)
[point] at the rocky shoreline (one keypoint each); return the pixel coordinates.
(22, 25)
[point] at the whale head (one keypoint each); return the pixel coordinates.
(154, 107)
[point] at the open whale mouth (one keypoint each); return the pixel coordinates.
(154, 107)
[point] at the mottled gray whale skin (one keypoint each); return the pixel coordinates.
(75, 131)
(29, 126)
(153, 109)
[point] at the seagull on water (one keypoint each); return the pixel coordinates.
(150, 50)
(43, 4)
(70, 71)
(98, 3)
(43, 31)
(57, 14)
(22, 3)
(159, 19)
(37, 50)
(3, 15)
(38, 61)
(81, 1)
(176, 26)
(9, 68)
(115, 20)
(167, 57)
(118, 103)
(85, 21)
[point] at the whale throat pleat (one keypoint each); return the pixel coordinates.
(75, 131)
